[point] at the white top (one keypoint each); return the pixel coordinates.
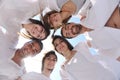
(106, 61)
(105, 38)
(81, 68)
(9, 39)
(99, 13)
(9, 70)
(34, 76)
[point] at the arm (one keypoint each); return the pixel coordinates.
(68, 9)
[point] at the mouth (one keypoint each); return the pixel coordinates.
(75, 30)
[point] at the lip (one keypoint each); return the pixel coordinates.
(75, 30)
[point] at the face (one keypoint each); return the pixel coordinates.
(37, 31)
(70, 30)
(55, 20)
(30, 49)
(50, 62)
(60, 46)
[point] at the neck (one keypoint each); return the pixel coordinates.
(17, 58)
(69, 54)
(46, 72)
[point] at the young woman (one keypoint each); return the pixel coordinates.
(55, 19)
(36, 29)
(80, 64)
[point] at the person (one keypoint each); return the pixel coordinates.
(36, 29)
(106, 15)
(48, 63)
(102, 38)
(80, 64)
(13, 67)
(9, 37)
(55, 19)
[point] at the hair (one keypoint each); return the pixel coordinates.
(47, 55)
(39, 42)
(47, 15)
(70, 47)
(78, 25)
(28, 35)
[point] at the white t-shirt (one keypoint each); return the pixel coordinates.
(9, 70)
(81, 68)
(34, 76)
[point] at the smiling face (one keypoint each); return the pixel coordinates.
(50, 62)
(70, 30)
(37, 31)
(55, 20)
(30, 49)
(60, 46)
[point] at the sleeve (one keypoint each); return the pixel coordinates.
(84, 49)
(65, 75)
(83, 11)
(31, 76)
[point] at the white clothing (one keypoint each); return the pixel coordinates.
(99, 14)
(34, 76)
(9, 39)
(9, 70)
(111, 64)
(85, 8)
(81, 68)
(106, 40)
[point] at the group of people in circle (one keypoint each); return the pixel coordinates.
(80, 64)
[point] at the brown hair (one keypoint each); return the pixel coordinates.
(47, 15)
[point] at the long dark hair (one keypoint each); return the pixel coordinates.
(70, 47)
(47, 29)
(47, 15)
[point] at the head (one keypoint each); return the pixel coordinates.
(38, 30)
(31, 48)
(71, 30)
(54, 19)
(49, 60)
(61, 45)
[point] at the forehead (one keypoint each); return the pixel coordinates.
(57, 40)
(52, 56)
(34, 44)
(54, 14)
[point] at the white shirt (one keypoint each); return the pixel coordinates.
(10, 70)
(106, 40)
(34, 76)
(106, 61)
(80, 67)
(99, 13)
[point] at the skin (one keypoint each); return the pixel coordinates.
(70, 30)
(35, 30)
(55, 20)
(29, 49)
(49, 65)
(60, 46)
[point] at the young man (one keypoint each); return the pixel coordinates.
(48, 64)
(12, 68)
(102, 38)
